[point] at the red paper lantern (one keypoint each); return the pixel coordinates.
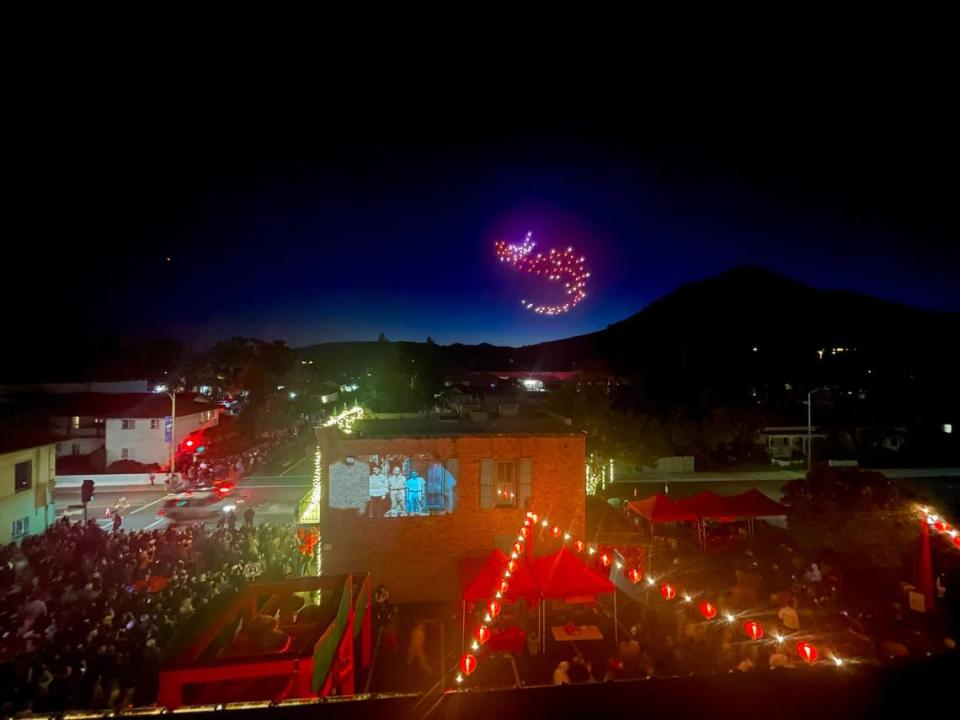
(556, 531)
(668, 591)
(956, 541)
(504, 586)
(533, 516)
(525, 531)
(606, 560)
(939, 525)
(482, 634)
(578, 545)
(494, 608)
(518, 547)
(468, 663)
(807, 652)
(634, 575)
(708, 610)
(512, 565)
(753, 629)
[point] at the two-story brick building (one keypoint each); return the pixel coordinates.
(409, 500)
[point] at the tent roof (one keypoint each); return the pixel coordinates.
(660, 509)
(754, 503)
(486, 580)
(562, 574)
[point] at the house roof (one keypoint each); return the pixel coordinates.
(13, 440)
(122, 405)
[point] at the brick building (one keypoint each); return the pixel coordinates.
(410, 500)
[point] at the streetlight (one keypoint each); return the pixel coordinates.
(810, 423)
(173, 425)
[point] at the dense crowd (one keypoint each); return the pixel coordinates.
(86, 615)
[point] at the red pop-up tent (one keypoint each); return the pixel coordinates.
(661, 509)
(754, 503)
(709, 505)
(486, 581)
(563, 575)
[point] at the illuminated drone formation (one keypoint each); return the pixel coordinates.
(555, 266)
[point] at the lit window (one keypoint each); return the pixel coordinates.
(506, 488)
(947, 428)
(128, 424)
(75, 422)
(23, 475)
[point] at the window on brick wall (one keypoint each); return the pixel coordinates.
(23, 475)
(505, 483)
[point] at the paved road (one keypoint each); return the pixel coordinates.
(273, 497)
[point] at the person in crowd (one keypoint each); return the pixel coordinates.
(561, 674)
(248, 518)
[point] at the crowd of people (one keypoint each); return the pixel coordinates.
(87, 615)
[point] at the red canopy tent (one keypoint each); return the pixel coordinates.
(487, 579)
(563, 575)
(709, 505)
(754, 503)
(661, 509)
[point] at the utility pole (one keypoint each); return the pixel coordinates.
(173, 430)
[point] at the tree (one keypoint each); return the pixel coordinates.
(382, 338)
(858, 514)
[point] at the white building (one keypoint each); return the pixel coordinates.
(128, 426)
(27, 467)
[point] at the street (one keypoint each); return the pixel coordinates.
(273, 498)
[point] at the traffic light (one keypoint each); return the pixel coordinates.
(86, 491)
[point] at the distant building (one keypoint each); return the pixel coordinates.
(788, 442)
(410, 499)
(128, 426)
(27, 467)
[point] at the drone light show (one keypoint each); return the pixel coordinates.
(554, 266)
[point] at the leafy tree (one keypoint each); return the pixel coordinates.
(858, 514)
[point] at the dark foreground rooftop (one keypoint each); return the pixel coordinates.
(819, 693)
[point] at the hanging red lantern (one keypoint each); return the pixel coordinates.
(956, 541)
(494, 608)
(525, 531)
(556, 531)
(708, 610)
(468, 663)
(504, 586)
(512, 566)
(668, 591)
(807, 652)
(940, 525)
(482, 634)
(634, 575)
(578, 545)
(753, 629)
(518, 547)
(606, 560)
(533, 516)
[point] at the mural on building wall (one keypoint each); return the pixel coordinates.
(394, 485)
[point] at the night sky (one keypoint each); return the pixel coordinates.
(340, 225)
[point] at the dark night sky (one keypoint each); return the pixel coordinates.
(348, 220)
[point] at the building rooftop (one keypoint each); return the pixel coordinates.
(13, 440)
(440, 427)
